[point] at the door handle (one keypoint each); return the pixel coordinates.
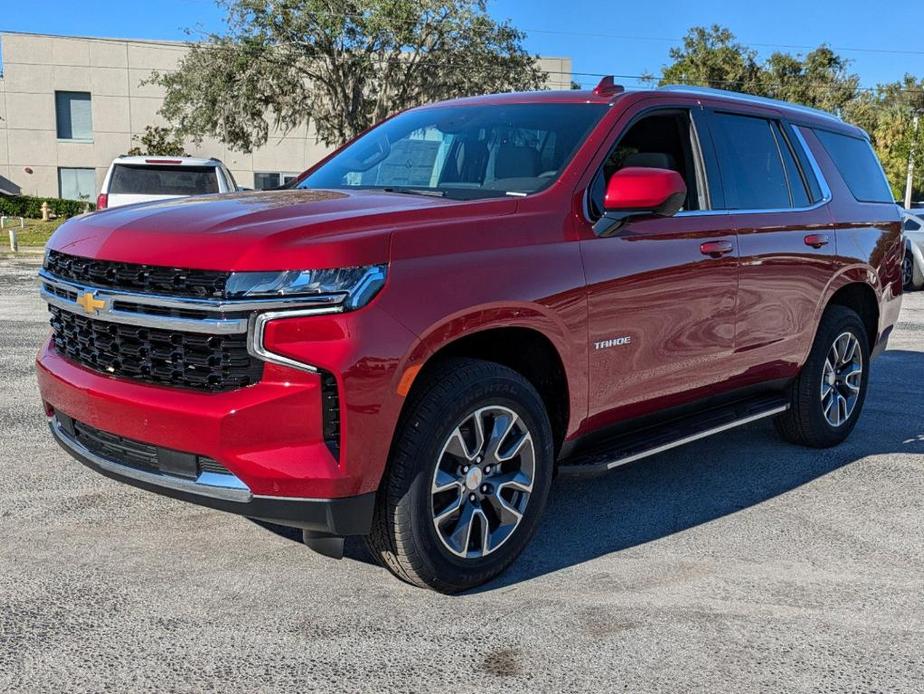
(716, 249)
(817, 240)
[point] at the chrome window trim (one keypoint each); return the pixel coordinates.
(258, 323)
(813, 163)
(227, 487)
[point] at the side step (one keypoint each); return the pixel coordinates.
(629, 447)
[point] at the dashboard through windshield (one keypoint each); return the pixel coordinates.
(463, 152)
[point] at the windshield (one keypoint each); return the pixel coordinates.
(464, 152)
(131, 179)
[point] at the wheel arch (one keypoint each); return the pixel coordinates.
(860, 297)
(528, 351)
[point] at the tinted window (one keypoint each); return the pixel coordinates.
(128, 179)
(266, 181)
(800, 196)
(749, 157)
(911, 225)
(858, 166)
(799, 146)
(463, 151)
(73, 115)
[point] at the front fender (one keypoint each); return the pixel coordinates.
(571, 349)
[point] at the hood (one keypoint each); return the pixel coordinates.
(267, 230)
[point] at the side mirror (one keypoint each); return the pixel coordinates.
(640, 192)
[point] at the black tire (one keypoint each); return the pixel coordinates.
(908, 271)
(805, 422)
(404, 538)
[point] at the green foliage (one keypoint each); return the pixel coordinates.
(158, 141)
(28, 206)
(713, 57)
(338, 65)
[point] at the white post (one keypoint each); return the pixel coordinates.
(910, 182)
(14, 242)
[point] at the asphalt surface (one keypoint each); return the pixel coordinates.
(734, 564)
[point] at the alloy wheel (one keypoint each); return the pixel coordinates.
(842, 378)
(482, 482)
(907, 271)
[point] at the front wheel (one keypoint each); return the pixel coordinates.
(827, 397)
(468, 478)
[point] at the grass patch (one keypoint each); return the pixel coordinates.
(35, 234)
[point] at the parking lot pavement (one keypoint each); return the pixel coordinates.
(734, 564)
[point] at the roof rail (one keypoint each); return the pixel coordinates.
(750, 98)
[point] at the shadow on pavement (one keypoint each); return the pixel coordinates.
(706, 480)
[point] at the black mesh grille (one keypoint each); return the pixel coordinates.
(330, 413)
(169, 281)
(137, 454)
(164, 357)
(116, 448)
(210, 465)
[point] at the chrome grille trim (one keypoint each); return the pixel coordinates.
(227, 316)
(212, 326)
(219, 306)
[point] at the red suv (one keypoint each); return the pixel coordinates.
(429, 325)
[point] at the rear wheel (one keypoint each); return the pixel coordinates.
(828, 395)
(908, 271)
(468, 477)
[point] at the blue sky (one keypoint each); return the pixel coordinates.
(626, 38)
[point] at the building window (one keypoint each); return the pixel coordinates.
(268, 181)
(74, 117)
(76, 184)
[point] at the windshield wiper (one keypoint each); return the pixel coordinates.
(416, 191)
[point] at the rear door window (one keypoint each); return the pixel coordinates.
(130, 179)
(753, 173)
(858, 166)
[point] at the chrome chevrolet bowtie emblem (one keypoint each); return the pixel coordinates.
(89, 303)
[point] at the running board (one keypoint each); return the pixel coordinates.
(652, 440)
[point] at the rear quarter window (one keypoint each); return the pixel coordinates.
(857, 163)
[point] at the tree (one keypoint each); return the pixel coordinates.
(820, 80)
(887, 114)
(158, 141)
(342, 65)
(711, 57)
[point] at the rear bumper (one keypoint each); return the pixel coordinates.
(340, 517)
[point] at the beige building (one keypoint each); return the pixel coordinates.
(70, 105)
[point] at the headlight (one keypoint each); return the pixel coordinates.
(358, 285)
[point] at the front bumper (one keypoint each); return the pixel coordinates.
(226, 492)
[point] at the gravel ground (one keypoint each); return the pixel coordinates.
(733, 564)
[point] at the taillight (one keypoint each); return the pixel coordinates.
(102, 201)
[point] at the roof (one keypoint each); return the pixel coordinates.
(174, 161)
(608, 92)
